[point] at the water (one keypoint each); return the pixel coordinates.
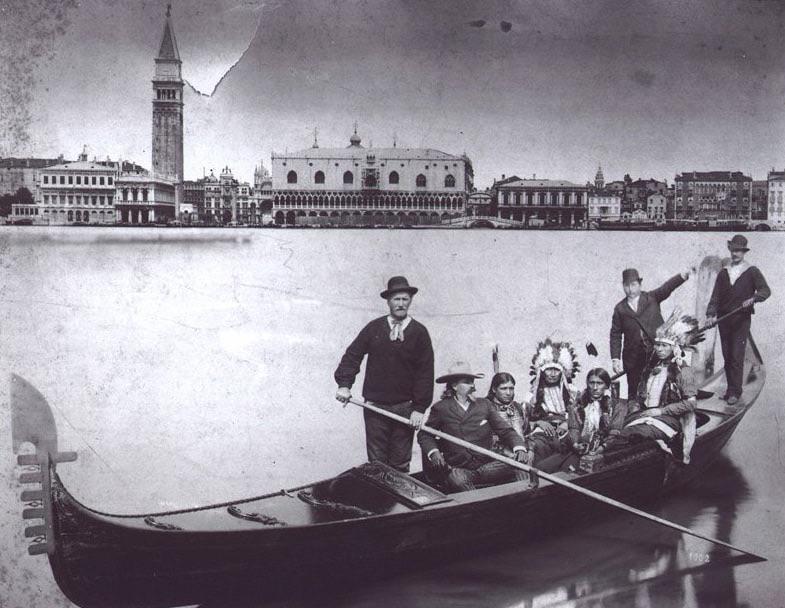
(194, 366)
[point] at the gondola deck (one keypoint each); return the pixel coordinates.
(363, 521)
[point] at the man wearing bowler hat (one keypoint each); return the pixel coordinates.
(635, 321)
(737, 287)
(475, 420)
(398, 375)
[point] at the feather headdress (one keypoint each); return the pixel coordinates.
(680, 331)
(557, 355)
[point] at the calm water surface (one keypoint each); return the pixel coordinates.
(194, 366)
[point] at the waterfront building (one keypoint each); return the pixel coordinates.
(479, 204)
(192, 207)
(541, 202)
(369, 186)
(713, 195)
(604, 205)
(18, 173)
(167, 141)
(77, 192)
(262, 197)
(776, 202)
(760, 199)
(656, 207)
(141, 198)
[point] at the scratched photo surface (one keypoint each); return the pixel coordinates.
(190, 366)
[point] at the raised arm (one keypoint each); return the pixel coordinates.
(666, 289)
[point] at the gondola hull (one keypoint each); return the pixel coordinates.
(365, 523)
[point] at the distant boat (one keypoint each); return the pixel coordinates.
(368, 520)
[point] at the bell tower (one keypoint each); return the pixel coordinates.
(168, 112)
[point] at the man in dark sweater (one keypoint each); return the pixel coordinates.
(635, 320)
(398, 376)
(738, 285)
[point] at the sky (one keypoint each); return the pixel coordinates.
(552, 89)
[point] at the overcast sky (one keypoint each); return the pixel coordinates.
(646, 88)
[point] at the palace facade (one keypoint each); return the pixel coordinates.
(369, 186)
(542, 202)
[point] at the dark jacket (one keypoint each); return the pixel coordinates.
(613, 412)
(395, 371)
(726, 297)
(627, 322)
(476, 425)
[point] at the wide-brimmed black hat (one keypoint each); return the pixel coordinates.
(628, 275)
(459, 369)
(396, 284)
(739, 241)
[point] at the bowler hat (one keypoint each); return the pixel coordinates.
(628, 275)
(397, 284)
(459, 369)
(739, 241)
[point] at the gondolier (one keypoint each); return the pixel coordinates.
(737, 287)
(398, 375)
(635, 320)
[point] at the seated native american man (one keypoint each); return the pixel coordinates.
(554, 365)
(666, 399)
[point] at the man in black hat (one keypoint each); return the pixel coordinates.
(635, 321)
(398, 375)
(476, 420)
(737, 287)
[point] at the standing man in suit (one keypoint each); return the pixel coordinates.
(635, 321)
(738, 285)
(398, 376)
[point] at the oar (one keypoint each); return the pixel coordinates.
(717, 321)
(553, 479)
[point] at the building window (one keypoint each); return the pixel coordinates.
(394, 179)
(319, 177)
(46, 179)
(109, 180)
(421, 182)
(449, 181)
(70, 179)
(101, 180)
(94, 182)
(144, 194)
(348, 177)
(62, 179)
(291, 177)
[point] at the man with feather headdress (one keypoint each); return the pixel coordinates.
(552, 394)
(666, 395)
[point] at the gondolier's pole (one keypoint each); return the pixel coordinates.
(717, 321)
(553, 479)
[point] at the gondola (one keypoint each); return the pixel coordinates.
(366, 521)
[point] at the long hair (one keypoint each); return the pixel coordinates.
(602, 374)
(497, 380)
(540, 391)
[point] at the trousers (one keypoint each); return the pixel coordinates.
(389, 441)
(460, 480)
(733, 339)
